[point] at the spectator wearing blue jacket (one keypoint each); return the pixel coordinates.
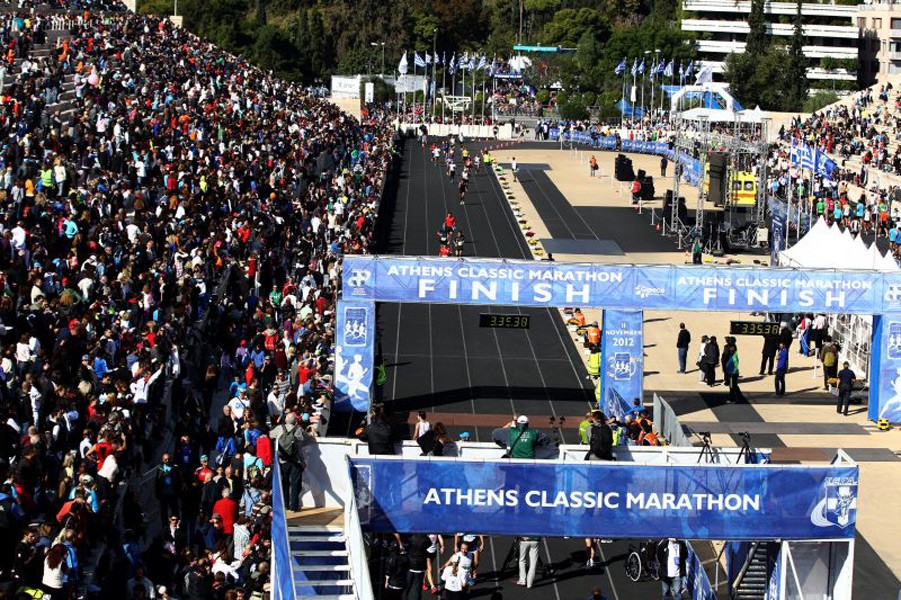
(781, 369)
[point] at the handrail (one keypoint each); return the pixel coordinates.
(281, 545)
(745, 567)
(356, 553)
(791, 562)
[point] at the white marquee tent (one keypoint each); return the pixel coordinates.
(826, 247)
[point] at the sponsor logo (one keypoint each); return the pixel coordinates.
(644, 291)
(359, 277)
(893, 295)
(838, 506)
(355, 331)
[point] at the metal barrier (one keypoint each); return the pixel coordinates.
(356, 545)
(667, 423)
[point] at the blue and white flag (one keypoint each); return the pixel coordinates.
(641, 68)
(690, 69)
(464, 60)
(668, 70)
(653, 70)
(620, 68)
(483, 62)
(452, 65)
(443, 58)
(417, 60)
(661, 67)
(428, 58)
(634, 67)
(402, 65)
(472, 62)
(681, 71)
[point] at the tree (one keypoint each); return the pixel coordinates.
(796, 68)
(756, 42)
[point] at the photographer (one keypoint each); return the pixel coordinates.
(519, 439)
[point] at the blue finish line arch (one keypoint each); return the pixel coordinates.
(623, 287)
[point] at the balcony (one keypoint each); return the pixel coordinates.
(771, 8)
(727, 47)
(850, 33)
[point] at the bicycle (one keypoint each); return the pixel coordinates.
(641, 563)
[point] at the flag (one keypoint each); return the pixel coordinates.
(493, 68)
(464, 60)
(641, 67)
(681, 71)
(668, 70)
(472, 62)
(402, 66)
(428, 58)
(483, 62)
(690, 69)
(705, 75)
(661, 67)
(652, 71)
(452, 65)
(443, 58)
(620, 68)
(634, 67)
(417, 60)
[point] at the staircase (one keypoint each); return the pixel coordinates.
(753, 581)
(321, 567)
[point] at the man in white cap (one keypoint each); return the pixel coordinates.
(521, 439)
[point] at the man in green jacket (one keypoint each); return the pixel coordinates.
(521, 439)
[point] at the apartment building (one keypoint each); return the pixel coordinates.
(832, 35)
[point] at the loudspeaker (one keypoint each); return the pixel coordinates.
(641, 174)
(717, 183)
(681, 210)
(647, 188)
(622, 169)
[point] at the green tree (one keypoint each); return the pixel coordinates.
(796, 67)
(756, 42)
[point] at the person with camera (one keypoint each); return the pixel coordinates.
(521, 440)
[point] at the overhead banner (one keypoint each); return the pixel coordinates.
(354, 355)
(622, 353)
(596, 499)
(488, 282)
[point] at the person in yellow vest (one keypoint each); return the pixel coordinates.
(593, 334)
(584, 427)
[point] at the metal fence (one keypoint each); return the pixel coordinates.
(667, 423)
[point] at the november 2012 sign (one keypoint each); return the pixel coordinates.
(596, 499)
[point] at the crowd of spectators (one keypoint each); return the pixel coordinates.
(171, 234)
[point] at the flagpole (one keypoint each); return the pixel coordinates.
(443, 88)
(634, 85)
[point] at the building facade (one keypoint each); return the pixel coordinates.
(832, 36)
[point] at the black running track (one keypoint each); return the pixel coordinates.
(440, 361)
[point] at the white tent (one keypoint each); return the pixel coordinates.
(825, 247)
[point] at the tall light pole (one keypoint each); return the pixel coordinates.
(376, 45)
(434, 62)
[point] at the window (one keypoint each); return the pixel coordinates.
(896, 23)
(877, 23)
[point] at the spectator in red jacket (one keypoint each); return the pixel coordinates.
(228, 510)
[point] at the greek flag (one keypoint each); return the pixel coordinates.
(428, 58)
(681, 71)
(661, 68)
(452, 65)
(634, 67)
(483, 62)
(472, 62)
(443, 58)
(690, 69)
(464, 60)
(417, 60)
(668, 71)
(620, 68)
(641, 67)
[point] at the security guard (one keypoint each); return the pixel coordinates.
(584, 427)
(593, 333)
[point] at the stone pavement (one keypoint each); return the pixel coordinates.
(802, 426)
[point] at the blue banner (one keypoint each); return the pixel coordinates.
(489, 282)
(281, 547)
(887, 338)
(774, 587)
(812, 159)
(777, 240)
(354, 355)
(622, 356)
(594, 499)
(696, 581)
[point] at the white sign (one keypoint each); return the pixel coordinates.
(369, 92)
(409, 83)
(345, 87)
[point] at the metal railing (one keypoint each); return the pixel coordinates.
(667, 423)
(356, 545)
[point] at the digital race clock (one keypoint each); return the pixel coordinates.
(753, 328)
(504, 321)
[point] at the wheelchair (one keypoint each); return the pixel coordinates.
(641, 562)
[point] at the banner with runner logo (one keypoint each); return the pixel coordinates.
(887, 355)
(354, 355)
(491, 282)
(622, 360)
(596, 499)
